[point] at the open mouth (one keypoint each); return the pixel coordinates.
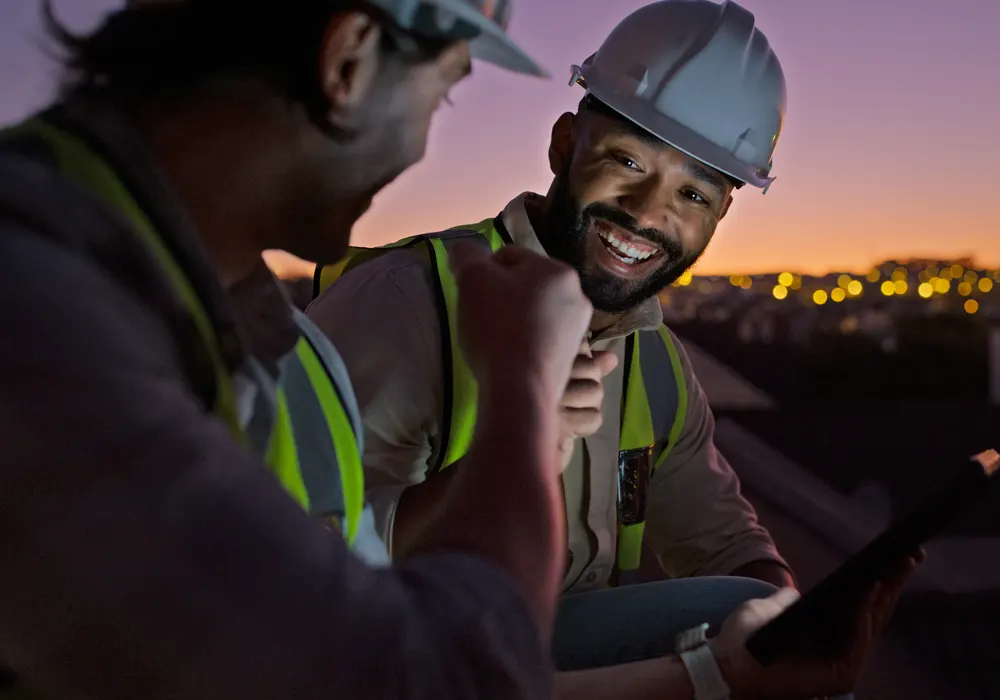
(629, 249)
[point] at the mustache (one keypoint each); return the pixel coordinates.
(625, 221)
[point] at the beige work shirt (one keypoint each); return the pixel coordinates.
(383, 320)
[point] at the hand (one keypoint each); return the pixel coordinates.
(520, 315)
(580, 410)
(797, 677)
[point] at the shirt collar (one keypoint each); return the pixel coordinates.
(646, 316)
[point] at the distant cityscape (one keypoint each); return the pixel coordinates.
(906, 329)
(795, 306)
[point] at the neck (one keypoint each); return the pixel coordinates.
(231, 191)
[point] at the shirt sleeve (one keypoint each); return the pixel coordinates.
(383, 321)
(146, 555)
(697, 521)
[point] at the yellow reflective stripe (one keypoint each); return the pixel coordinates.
(488, 230)
(328, 274)
(682, 396)
(629, 553)
(637, 422)
(282, 459)
(344, 441)
(464, 389)
(77, 161)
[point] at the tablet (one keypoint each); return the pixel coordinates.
(822, 621)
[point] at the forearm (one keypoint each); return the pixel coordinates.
(417, 508)
(504, 503)
(654, 679)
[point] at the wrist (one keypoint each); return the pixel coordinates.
(741, 687)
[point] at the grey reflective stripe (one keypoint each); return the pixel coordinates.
(337, 371)
(367, 544)
(313, 443)
(661, 387)
(265, 402)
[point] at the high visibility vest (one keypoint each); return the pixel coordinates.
(654, 395)
(309, 443)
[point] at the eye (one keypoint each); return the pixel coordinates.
(694, 196)
(626, 161)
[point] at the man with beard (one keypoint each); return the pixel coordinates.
(644, 171)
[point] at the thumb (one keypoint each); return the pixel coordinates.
(606, 361)
(465, 253)
(784, 597)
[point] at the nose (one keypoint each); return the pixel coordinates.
(647, 202)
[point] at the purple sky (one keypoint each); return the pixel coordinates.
(888, 150)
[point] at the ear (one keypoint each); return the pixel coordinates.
(725, 207)
(349, 61)
(561, 145)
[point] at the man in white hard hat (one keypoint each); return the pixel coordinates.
(148, 551)
(684, 103)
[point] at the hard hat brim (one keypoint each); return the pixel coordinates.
(673, 133)
(492, 44)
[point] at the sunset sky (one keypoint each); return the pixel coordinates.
(889, 149)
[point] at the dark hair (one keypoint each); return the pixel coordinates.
(590, 103)
(164, 51)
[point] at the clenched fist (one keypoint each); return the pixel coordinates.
(580, 410)
(520, 316)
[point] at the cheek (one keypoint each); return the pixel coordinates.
(696, 233)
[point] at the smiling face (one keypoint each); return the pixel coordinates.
(628, 211)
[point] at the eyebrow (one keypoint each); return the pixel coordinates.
(706, 176)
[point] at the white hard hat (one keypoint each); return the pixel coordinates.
(481, 22)
(699, 76)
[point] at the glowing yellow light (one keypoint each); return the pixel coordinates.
(926, 290)
(843, 281)
(888, 288)
(854, 288)
(745, 284)
(736, 280)
(779, 291)
(924, 275)
(965, 289)
(957, 270)
(901, 286)
(786, 278)
(685, 279)
(873, 276)
(971, 276)
(838, 295)
(820, 297)
(945, 274)
(971, 306)
(899, 274)
(796, 282)
(932, 271)
(985, 284)
(941, 285)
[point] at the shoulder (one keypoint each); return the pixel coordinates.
(392, 278)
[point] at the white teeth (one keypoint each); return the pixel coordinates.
(630, 253)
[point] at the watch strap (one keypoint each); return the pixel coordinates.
(703, 670)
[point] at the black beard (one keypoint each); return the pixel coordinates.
(565, 239)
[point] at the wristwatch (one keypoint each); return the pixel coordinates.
(698, 659)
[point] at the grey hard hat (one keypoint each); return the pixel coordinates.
(482, 22)
(698, 75)
(487, 18)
